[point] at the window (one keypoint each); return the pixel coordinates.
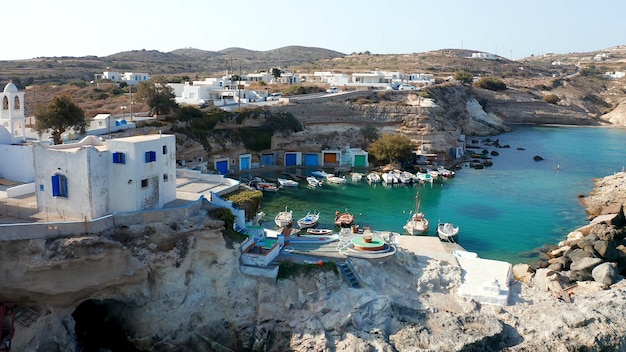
(164, 149)
(144, 183)
(119, 158)
(150, 156)
(165, 177)
(59, 186)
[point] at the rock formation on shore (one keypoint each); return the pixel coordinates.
(177, 287)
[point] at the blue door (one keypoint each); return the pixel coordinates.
(245, 163)
(267, 159)
(290, 159)
(222, 167)
(311, 160)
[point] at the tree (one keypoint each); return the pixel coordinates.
(369, 133)
(392, 148)
(463, 76)
(157, 95)
(61, 115)
(276, 72)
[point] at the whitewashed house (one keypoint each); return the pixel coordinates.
(420, 78)
(93, 178)
(376, 78)
(131, 78)
(486, 56)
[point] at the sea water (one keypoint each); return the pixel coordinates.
(505, 212)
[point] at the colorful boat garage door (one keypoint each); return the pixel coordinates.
(221, 166)
(291, 159)
(360, 161)
(311, 160)
(267, 159)
(331, 158)
(244, 161)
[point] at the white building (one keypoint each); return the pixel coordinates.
(487, 56)
(615, 74)
(131, 78)
(420, 78)
(93, 178)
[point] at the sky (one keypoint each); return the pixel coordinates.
(45, 28)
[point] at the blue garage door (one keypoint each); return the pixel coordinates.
(311, 160)
(290, 160)
(222, 167)
(245, 163)
(267, 159)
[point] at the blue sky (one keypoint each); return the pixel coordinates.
(515, 30)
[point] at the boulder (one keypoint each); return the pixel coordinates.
(537, 158)
(606, 250)
(577, 254)
(522, 273)
(585, 263)
(559, 251)
(606, 273)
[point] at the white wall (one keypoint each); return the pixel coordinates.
(17, 163)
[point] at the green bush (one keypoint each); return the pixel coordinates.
(463, 76)
(490, 83)
(551, 99)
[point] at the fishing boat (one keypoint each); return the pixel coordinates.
(267, 186)
(356, 176)
(321, 174)
(309, 220)
(284, 218)
(343, 219)
(318, 232)
(336, 180)
(417, 223)
(313, 182)
(373, 177)
(287, 183)
(448, 232)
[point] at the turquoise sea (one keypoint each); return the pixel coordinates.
(504, 211)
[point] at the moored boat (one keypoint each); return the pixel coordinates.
(336, 180)
(309, 220)
(373, 177)
(344, 219)
(313, 182)
(321, 174)
(448, 232)
(318, 232)
(356, 176)
(287, 183)
(267, 186)
(417, 223)
(284, 218)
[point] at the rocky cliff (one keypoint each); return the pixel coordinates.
(177, 287)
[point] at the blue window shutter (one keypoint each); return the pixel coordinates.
(122, 158)
(63, 186)
(147, 157)
(56, 186)
(152, 156)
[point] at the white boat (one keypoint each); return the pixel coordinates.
(356, 176)
(405, 177)
(319, 232)
(445, 172)
(391, 178)
(448, 232)
(417, 223)
(287, 183)
(373, 177)
(284, 218)
(336, 180)
(321, 174)
(313, 182)
(424, 177)
(309, 220)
